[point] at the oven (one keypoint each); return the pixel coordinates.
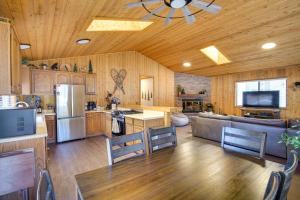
(120, 116)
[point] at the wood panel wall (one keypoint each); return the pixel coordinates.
(136, 65)
(223, 90)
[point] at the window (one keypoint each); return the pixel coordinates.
(262, 85)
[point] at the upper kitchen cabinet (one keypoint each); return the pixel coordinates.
(63, 78)
(90, 84)
(10, 61)
(77, 79)
(42, 82)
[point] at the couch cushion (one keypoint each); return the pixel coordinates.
(273, 137)
(214, 116)
(268, 122)
(208, 128)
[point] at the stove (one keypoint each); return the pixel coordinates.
(120, 116)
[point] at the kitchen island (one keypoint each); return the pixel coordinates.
(142, 122)
(165, 109)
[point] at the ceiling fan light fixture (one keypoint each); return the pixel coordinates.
(178, 3)
(185, 6)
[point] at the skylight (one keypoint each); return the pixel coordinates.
(215, 55)
(118, 25)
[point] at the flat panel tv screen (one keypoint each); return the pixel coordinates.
(261, 99)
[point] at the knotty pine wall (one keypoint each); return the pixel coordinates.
(223, 90)
(137, 65)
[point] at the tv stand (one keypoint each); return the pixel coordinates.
(262, 113)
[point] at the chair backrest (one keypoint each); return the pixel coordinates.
(272, 189)
(160, 138)
(125, 147)
(45, 190)
(17, 171)
(289, 171)
(244, 141)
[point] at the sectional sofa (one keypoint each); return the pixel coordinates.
(209, 126)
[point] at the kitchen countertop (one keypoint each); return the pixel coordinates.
(147, 115)
(98, 111)
(41, 131)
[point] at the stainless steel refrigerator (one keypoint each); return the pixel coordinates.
(70, 110)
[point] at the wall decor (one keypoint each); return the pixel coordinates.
(43, 66)
(32, 66)
(83, 69)
(54, 66)
(90, 67)
(118, 77)
(75, 68)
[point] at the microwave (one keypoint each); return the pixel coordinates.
(16, 122)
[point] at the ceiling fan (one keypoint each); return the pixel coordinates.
(173, 5)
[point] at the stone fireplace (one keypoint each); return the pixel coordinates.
(192, 105)
(192, 100)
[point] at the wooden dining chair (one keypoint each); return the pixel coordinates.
(289, 171)
(45, 189)
(17, 172)
(118, 148)
(244, 141)
(273, 187)
(160, 138)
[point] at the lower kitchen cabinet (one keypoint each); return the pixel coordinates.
(108, 123)
(95, 124)
(51, 128)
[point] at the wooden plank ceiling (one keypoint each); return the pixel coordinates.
(239, 30)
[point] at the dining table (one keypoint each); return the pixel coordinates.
(192, 170)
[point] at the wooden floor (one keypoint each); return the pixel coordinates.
(69, 159)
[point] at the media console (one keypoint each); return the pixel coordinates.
(262, 113)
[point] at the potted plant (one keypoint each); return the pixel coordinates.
(179, 90)
(292, 141)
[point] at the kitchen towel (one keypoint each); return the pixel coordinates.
(115, 126)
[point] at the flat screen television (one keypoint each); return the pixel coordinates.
(261, 99)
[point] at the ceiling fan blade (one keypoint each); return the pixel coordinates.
(141, 3)
(154, 12)
(189, 19)
(205, 6)
(169, 17)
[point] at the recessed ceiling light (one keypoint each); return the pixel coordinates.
(215, 55)
(83, 41)
(269, 45)
(106, 24)
(187, 64)
(25, 46)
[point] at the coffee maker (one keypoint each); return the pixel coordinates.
(91, 105)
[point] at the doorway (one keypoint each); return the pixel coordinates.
(146, 91)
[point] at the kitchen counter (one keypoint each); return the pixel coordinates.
(98, 111)
(41, 131)
(147, 115)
